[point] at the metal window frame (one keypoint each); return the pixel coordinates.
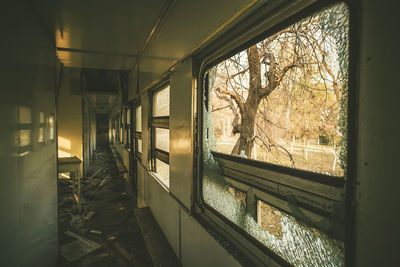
(135, 134)
(128, 127)
(43, 126)
(157, 122)
(23, 150)
(343, 190)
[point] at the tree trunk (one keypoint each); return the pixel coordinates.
(248, 119)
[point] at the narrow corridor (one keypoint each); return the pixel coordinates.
(107, 218)
(167, 133)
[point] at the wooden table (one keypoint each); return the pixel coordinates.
(72, 165)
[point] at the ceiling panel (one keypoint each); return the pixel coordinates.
(186, 26)
(104, 33)
(96, 61)
(102, 103)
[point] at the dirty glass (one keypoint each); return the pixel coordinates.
(239, 195)
(269, 218)
(162, 169)
(162, 139)
(161, 102)
(138, 114)
(282, 101)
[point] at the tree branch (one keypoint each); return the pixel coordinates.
(274, 81)
(234, 96)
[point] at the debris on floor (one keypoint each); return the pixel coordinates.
(95, 232)
(107, 219)
(78, 248)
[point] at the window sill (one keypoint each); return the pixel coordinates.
(159, 179)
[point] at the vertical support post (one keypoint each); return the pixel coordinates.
(78, 178)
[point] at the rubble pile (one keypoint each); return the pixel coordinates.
(106, 232)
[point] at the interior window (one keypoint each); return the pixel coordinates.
(42, 125)
(160, 134)
(275, 120)
(284, 100)
(138, 131)
(23, 137)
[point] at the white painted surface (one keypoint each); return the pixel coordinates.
(181, 134)
(198, 247)
(378, 198)
(164, 209)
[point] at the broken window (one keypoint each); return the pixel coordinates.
(275, 119)
(284, 99)
(160, 134)
(269, 218)
(238, 194)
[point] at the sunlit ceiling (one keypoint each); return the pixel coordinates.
(104, 34)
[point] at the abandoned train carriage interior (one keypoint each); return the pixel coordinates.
(199, 133)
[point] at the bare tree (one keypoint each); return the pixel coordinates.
(303, 60)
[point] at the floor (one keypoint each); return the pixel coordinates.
(107, 218)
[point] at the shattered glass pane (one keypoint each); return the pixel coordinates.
(284, 99)
(269, 136)
(239, 195)
(296, 242)
(269, 218)
(161, 102)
